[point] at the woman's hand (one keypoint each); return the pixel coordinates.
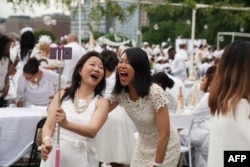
(61, 118)
(46, 149)
(19, 103)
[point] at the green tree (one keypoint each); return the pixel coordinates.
(38, 33)
(99, 11)
(213, 19)
(172, 20)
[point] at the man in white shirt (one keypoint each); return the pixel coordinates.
(165, 49)
(77, 52)
(178, 66)
(147, 49)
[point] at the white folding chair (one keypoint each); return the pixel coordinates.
(184, 121)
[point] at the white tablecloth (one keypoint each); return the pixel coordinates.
(17, 129)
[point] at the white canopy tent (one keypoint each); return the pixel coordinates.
(233, 34)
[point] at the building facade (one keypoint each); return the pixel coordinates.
(131, 28)
(16, 23)
(61, 28)
(59, 24)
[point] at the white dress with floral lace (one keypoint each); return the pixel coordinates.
(142, 112)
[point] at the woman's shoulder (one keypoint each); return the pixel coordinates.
(156, 89)
(101, 101)
(244, 106)
(157, 96)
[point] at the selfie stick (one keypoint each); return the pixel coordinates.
(59, 57)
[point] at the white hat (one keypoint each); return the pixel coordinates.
(159, 58)
(25, 29)
(164, 44)
(45, 39)
(145, 43)
(183, 42)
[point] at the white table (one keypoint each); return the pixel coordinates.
(17, 130)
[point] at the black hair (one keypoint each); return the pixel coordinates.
(110, 59)
(4, 40)
(32, 66)
(76, 78)
(138, 59)
(171, 49)
(27, 44)
(163, 79)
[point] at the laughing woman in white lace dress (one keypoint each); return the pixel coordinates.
(115, 141)
(83, 112)
(145, 102)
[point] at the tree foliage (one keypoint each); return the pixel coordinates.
(173, 21)
(38, 33)
(209, 21)
(98, 11)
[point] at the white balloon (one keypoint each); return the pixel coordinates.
(53, 22)
(47, 20)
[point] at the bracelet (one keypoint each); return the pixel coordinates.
(40, 148)
(157, 164)
(46, 138)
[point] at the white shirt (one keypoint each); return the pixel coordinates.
(175, 89)
(4, 64)
(202, 110)
(148, 50)
(22, 62)
(14, 51)
(69, 65)
(110, 83)
(184, 54)
(203, 68)
(158, 68)
(197, 58)
(165, 53)
(229, 133)
(179, 67)
(40, 95)
(200, 131)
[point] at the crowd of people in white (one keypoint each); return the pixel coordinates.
(36, 81)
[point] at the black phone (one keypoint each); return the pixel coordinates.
(56, 52)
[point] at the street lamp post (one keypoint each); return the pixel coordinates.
(79, 20)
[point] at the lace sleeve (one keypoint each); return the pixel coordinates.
(158, 97)
(113, 98)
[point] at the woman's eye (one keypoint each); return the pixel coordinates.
(124, 61)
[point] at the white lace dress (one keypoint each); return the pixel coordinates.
(142, 112)
(75, 150)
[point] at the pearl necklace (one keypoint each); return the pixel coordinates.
(81, 108)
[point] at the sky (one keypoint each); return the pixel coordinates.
(6, 10)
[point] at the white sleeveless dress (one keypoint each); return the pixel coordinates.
(75, 150)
